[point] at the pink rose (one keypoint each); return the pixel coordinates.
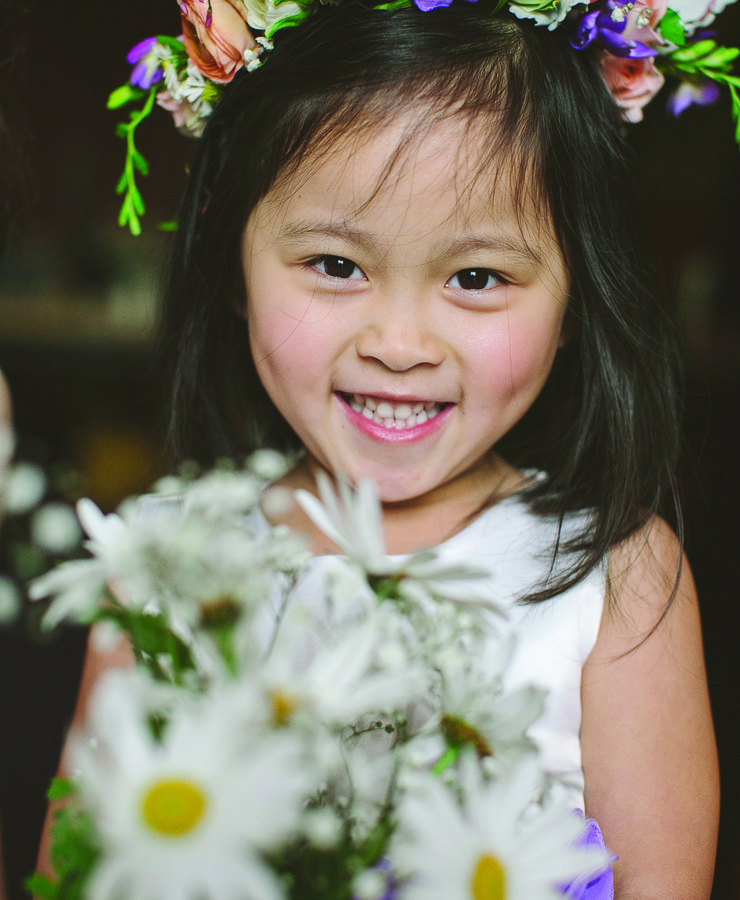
(215, 35)
(632, 82)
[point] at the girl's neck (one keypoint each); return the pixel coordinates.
(424, 521)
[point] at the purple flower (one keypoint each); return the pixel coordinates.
(607, 26)
(146, 72)
(689, 93)
(427, 5)
(596, 887)
(383, 865)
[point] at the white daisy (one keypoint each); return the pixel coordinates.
(186, 817)
(472, 709)
(343, 682)
(353, 520)
(486, 849)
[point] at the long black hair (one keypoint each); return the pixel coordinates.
(604, 428)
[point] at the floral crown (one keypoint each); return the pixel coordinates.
(638, 44)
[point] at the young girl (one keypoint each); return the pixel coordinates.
(408, 249)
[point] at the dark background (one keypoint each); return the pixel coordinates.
(76, 304)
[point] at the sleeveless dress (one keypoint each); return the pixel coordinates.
(554, 638)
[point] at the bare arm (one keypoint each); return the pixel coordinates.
(649, 755)
(96, 663)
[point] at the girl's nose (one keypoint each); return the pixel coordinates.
(400, 337)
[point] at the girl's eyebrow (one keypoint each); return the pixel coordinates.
(340, 230)
(343, 231)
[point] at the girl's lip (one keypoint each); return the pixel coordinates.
(392, 398)
(394, 435)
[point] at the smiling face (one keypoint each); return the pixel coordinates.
(403, 319)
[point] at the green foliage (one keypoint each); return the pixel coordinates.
(176, 47)
(152, 639)
(127, 93)
(74, 851)
(286, 22)
(707, 59)
(133, 204)
(671, 28)
(394, 4)
(60, 789)
(307, 871)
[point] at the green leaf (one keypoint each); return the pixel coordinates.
(139, 162)
(60, 788)
(172, 43)
(694, 52)
(286, 22)
(721, 58)
(445, 761)
(671, 27)
(127, 93)
(74, 851)
(167, 226)
(39, 885)
(394, 4)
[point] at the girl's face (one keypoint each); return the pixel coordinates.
(402, 325)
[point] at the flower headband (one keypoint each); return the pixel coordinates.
(638, 45)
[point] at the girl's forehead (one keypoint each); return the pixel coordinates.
(419, 176)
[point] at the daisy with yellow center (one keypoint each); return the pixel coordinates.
(483, 848)
(188, 817)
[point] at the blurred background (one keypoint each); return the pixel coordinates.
(77, 298)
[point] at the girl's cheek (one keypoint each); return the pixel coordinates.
(517, 362)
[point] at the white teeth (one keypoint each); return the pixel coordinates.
(384, 413)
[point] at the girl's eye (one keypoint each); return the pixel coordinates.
(338, 267)
(474, 280)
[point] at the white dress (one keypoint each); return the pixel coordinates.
(554, 638)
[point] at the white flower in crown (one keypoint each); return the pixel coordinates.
(185, 96)
(544, 12)
(483, 848)
(262, 14)
(186, 818)
(353, 520)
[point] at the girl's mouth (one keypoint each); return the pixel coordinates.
(394, 414)
(398, 421)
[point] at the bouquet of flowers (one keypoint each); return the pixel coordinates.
(297, 726)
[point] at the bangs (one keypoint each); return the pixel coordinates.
(485, 83)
